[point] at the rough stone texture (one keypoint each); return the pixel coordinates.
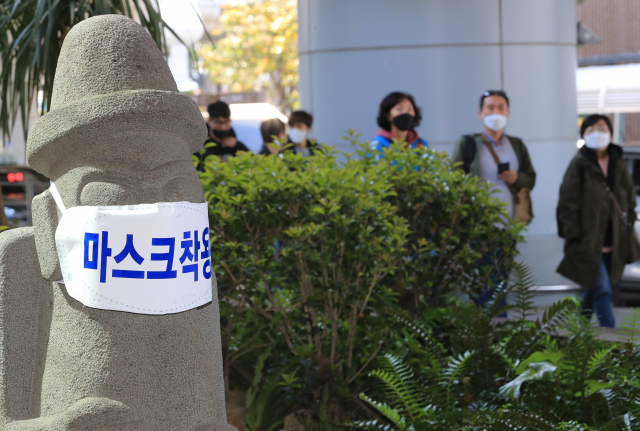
(118, 133)
(44, 232)
(112, 82)
(25, 316)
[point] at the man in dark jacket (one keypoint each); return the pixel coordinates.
(222, 140)
(494, 112)
(598, 243)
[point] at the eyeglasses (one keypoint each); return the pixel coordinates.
(495, 93)
(488, 93)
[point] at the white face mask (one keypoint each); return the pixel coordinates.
(495, 122)
(297, 136)
(146, 259)
(597, 140)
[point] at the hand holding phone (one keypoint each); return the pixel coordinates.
(503, 167)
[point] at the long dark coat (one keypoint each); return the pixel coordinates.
(584, 212)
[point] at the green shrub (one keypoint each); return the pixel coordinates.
(300, 247)
(459, 237)
(309, 254)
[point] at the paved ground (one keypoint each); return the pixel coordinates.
(611, 334)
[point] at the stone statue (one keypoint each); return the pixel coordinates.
(118, 133)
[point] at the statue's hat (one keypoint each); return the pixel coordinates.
(112, 83)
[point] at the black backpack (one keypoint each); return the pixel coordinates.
(469, 149)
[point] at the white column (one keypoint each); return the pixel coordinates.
(446, 53)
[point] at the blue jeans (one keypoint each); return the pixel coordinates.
(598, 299)
(496, 278)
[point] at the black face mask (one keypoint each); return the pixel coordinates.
(403, 121)
(221, 134)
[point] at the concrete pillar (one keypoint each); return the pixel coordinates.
(446, 53)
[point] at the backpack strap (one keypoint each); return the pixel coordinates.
(469, 149)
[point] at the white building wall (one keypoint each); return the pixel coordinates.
(446, 53)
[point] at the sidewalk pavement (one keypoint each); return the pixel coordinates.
(609, 334)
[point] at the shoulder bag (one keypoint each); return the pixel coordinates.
(522, 205)
(634, 246)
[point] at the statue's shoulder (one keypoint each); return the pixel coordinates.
(23, 325)
(18, 256)
(17, 245)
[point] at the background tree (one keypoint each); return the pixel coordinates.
(258, 49)
(31, 36)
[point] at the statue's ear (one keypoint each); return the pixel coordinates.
(45, 221)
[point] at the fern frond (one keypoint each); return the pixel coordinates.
(523, 282)
(401, 387)
(500, 351)
(620, 403)
(557, 309)
(451, 373)
(626, 422)
(573, 426)
(498, 424)
(423, 333)
(597, 359)
(390, 413)
(529, 420)
(629, 329)
(492, 306)
(373, 425)
(556, 316)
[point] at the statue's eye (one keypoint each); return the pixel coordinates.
(106, 194)
(183, 189)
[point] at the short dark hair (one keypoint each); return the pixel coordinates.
(219, 109)
(593, 119)
(493, 93)
(300, 117)
(269, 128)
(392, 100)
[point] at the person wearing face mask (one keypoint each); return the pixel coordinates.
(398, 117)
(503, 161)
(496, 157)
(595, 216)
(222, 140)
(300, 123)
(271, 130)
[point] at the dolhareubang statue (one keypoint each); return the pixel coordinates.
(118, 134)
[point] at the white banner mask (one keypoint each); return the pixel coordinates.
(146, 259)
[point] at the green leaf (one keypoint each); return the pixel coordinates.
(534, 371)
(552, 357)
(596, 385)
